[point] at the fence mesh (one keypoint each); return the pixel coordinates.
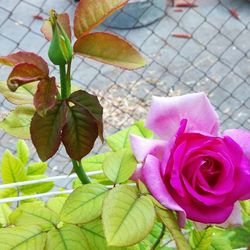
(215, 58)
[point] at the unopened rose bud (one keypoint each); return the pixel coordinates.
(60, 50)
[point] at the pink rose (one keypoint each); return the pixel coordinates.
(193, 169)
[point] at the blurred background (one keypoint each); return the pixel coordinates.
(188, 49)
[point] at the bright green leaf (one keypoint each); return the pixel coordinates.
(8, 192)
(56, 204)
(23, 151)
(5, 211)
(23, 95)
(66, 238)
(90, 14)
(22, 238)
(38, 187)
(119, 166)
(201, 240)
(220, 243)
(127, 217)
(84, 204)
(121, 140)
(34, 214)
(79, 133)
(17, 122)
(95, 238)
(167, 217)
(12, 168)
(46, 131)
(109, 48)
(37, 168)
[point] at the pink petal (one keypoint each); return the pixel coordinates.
(137, 175)
(242, 138)
(142, 147)
(235, 219)
(166, 114)
(153, 180)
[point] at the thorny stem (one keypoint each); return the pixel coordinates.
(80, 172)
(159, 238)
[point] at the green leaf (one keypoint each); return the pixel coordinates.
(109, 48)
(92, 104)
(5, 211)
(84, 204)
(66, 238)
(127, 217)
(167, 217)
(46, 131)
(79, 133)
(34, 214)
(95, 238)
(45, 96)
(119, 166)
(90, 14)
(8, 192)
(21, 238)
(23, 95)
(23, 151)
(56, 204)
(12, 168)
(201, 240)
(220, 243)
(37, 168)
(37, 188)
(239, 236)
(120, 139)
(17, 122)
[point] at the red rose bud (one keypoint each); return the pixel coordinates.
(60, 50)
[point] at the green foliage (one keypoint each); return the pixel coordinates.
(201, 240)
(5, 211)
(17, 122)
(84, 204)
(21, 238)
(16, 169)
(119, 166)
(127, 217)
(120, 139)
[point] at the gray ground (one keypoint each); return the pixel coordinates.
(215, 60)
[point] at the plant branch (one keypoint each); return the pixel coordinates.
(68, 79)
(63, 81)
(158, 241)
(80, 172)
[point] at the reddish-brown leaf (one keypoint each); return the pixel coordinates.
(91, 103)
(46, 131)
(90, 13)
(63, 20)
(25, 57)
(45, 96)
(234, 13)
(24, 73)
(79, 133)
(110, 49)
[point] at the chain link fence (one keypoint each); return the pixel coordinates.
(203, 48)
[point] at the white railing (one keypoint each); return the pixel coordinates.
(48, 179)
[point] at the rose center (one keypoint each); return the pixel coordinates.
(210, 169)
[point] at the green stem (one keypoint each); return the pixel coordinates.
(63, 81)
(68, 79)
(80, 172)
(158, 241)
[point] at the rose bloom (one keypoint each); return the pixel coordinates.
(191, 168)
